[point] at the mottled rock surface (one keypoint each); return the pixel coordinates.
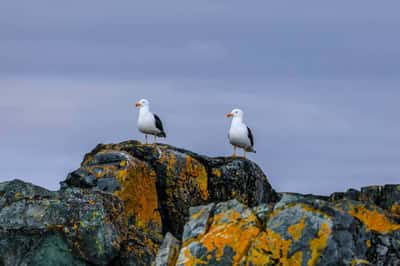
(69, 227)
(159, 184)
(300, 230)
(134, 204)
(168, 251)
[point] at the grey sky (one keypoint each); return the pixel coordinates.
(319, 84)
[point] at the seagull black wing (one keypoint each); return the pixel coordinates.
(159, 126)
(250, 135)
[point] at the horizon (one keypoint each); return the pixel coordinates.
(318, 85)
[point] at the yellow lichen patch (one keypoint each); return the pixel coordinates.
(317, 245)
(139, 194)
(170, 160)
(278, 246)
(236, 235)
(260, 252)
(395, 209)
(138, 191)
(123, 163)
(271, 248)
(359, 261)
(296, 259)
(216, 172)
(368, 243)
(296, 230)
(228, 230)
(373, 219)
(195, 169)
(184, 175)
(189, 260)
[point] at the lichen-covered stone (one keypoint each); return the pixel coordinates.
(232, 228)
(159, 184)
(302, 230)
(72, 226)
(198, 223)
(168, 251)
(118, 206)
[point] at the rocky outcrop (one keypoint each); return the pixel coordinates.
(134, 204)
(69, 227)
(299, 230)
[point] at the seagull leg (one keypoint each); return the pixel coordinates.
(244, 153)
(234, 151)
(145, 135)
(155, 140)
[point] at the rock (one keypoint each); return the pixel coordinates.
(302, 230)
(159, 184)
(168, 251)
(262, 211)
(386, 197)
(198, 223)
(134, 204)
(69, 227)
(232, 228)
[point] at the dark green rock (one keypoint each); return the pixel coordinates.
(74, 225)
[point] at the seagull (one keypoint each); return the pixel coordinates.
(240, 135)
(149, 123)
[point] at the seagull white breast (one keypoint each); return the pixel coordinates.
(238, 135)
(147, 122)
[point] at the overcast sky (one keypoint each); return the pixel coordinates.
(318, 81)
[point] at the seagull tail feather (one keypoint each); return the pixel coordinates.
(162, 135)
(250, 149)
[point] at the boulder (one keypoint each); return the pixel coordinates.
(69, 227)
(159, 183)
(135, 204)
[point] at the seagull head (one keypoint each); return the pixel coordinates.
(235, 113)
(142, 103)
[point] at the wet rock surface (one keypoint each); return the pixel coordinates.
(134, 204)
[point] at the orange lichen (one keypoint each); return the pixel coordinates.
(296, 259)
(228, 230)
(296, 230)
(252, 246)
(271, 248)
(216, 172)
(373, 219)
(184, 175)
(236, 234)
(189, 260)
(278, 246)
(317, 245)
(198, 171)
(260, 251)
(138, 191)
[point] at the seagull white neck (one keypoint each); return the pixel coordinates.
(237, 120)
(144, 109)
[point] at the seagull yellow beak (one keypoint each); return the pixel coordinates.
(229, 115)
(138, 104)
